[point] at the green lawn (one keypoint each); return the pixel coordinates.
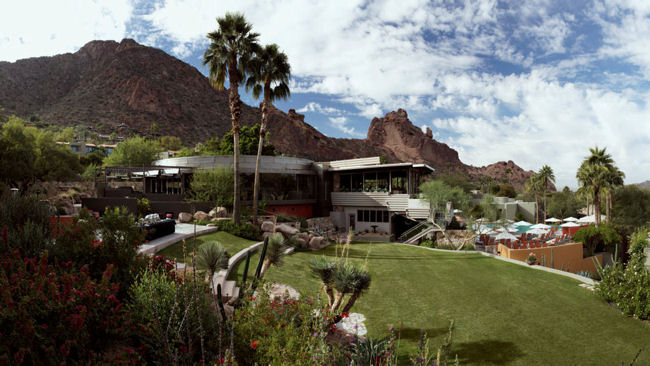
(233, 244)
(505, 314)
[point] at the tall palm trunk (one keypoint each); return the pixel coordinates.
(330, 295)
(260, 145)
(235, 113)
(587, 205)
(536, 209)
(597, 205)
(608, 206)
(544, 192)
(353, 298)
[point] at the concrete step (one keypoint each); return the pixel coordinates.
(229, 290)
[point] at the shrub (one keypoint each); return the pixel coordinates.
(428, 243)
(180, 321)
(143, 206)
(597, 238)
(243, 230)
(628, 287)
(27, 221)
(213, 185)
(55, 313)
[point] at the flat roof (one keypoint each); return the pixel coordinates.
(378, 166)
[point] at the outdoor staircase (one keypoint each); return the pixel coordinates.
(414, 231)
(420, 235)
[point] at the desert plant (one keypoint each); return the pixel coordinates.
(212, 257)
(324, 270)
(274, 253)
(360, 283)
(344, 275)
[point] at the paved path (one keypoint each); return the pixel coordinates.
(182, 231)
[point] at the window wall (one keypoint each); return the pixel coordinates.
(279, 187)
(374, 181)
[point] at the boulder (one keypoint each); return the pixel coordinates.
(184, 217)
(301, 243)
(267, 226)
(266, 234)
(287, 230)
(281, 292)
(316, 242)
(217, 219)
(218, 212)
(200, 215)
(304, 236)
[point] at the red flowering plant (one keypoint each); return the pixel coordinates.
(51, 313)
(283, 331)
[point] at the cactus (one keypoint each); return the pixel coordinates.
(245, 275)
(552, 260)
(616, 253)
(220, 302)
(258, 271)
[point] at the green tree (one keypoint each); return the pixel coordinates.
(437, 193)
(547, 176)
(212, 185)
(65, 135)
(54, 161)
(212, 146)
(597, 238)
(135, 151)
(615, 180)
(170, 143)
(506, 190)
(594, 173)
(269, 73)
(631, 207)
(17, 154)
(231, 46)
(248, 142)
(563, 204)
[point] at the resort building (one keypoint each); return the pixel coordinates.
(508, 208)
(359, 194)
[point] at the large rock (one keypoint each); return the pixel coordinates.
(267, 226)
(279, 291)
(184, 217)
(266, 234)
(200, 215)
(304, 236)
(287, 230)
(218, 212)
(316, 242)
(302, 243)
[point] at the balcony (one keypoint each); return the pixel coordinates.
(401, 203)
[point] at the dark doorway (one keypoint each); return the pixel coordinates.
(352, 222)
(400, 224)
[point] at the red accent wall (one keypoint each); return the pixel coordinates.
(305, 211)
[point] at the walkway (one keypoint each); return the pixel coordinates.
(182, 231)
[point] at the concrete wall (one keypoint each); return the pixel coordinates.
(567, 257)
(268, 164)
(304, 211)
(527, 209)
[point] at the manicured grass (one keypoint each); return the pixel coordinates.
(233, 244)
(505, 314)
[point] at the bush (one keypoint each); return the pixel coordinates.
(56, 313)
(628, 287)
(243, 230)
(180, 320)
(428, 243)
(597, 238)
(213, 185)
(27, 221)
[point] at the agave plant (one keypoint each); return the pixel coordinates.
(274, 253)
(212, 257)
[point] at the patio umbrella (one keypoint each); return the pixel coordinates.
(505, 236)
(457, 211)
(571, 219)
(482, 219)
(537, 231)
(540, 226)
(553, 219)
(570, 224)
(522, 223)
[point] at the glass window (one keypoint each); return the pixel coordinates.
(399, 182)
(386, 217)
(382, 181)
(345, 183)
(373, 216)
(360, 215)
(366, 215)
(370, 182)
(356, 182)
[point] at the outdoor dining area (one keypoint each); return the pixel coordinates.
(525, 235)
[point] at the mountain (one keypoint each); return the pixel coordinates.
(645, 184)
(127, 87)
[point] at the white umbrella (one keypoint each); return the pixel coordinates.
(522, 223)
(570, 224)
(482, 219)
(536, 231)
(457, 211)
(540, 226)
(570, 219)
(491, 232)
(505, 236)
(553, 219)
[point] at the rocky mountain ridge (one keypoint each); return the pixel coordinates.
(127, 87)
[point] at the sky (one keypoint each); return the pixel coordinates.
(537, 82)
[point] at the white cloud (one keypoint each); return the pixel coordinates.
(340, 124)
(30, 28)
(316, 107)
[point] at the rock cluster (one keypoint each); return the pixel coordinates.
(216, 214)
(303, 240)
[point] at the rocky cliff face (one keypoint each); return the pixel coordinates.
(127, 87)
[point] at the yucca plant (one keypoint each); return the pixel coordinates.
(274, 253)
(343, 282)
(212, 257)
(324, 269)
(360, 280)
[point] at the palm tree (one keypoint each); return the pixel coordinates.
(231, 47)
(360, 283)
(212, 257)
(593, 173)
(546, 175)
(269, 73)
(274, 252)
(534, 185)
(324, 270)
(615, 179)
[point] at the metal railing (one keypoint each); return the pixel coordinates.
(423, 225)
